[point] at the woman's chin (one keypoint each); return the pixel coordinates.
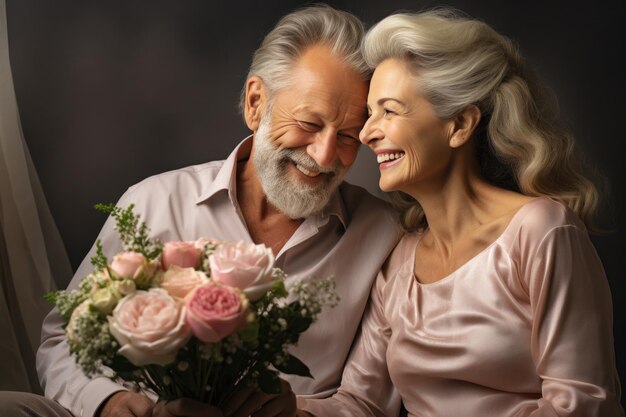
(386, 186)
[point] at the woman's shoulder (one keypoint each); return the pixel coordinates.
(536, 220)
(542, 214)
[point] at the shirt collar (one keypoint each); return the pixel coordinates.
(226, 179)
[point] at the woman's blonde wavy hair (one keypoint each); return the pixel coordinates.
(461, 61)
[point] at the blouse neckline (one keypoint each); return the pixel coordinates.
(515, 220)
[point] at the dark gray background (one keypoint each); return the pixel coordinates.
(110, 92)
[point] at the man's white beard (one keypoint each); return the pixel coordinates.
(293, 198)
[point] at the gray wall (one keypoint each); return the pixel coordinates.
(113, 91)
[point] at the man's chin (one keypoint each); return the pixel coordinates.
(297, 203)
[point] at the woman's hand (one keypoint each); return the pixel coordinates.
(253, 402)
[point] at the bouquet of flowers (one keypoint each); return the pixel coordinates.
(190, 319)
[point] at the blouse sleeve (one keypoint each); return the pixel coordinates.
(366, 388)
(572, 327)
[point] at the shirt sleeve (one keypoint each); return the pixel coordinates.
(61, 378)
(366, 388)
(572, 327)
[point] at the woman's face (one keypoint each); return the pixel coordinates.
(409, 140)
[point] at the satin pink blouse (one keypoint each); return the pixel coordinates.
(522, 329)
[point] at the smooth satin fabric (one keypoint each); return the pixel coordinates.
(522, 329)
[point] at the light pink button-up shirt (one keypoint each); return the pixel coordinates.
(349, 240)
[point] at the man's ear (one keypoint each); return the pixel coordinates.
(464, 125)
(255, 101)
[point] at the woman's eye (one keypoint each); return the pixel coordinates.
(388, 112)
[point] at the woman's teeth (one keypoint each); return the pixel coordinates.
(384, 157)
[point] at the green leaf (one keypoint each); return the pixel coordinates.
(279, 290)
(122, 365)
(299, 324)
(293, 366)
(250, 333)
(269, 382)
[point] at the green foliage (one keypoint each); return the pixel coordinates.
(209, 372)
(133, 233)
(52, 296)
(99, 261)
(293, 366)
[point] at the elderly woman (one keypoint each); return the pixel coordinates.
(496, 303)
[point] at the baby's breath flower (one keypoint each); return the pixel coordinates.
(252, 356)
(282, 323)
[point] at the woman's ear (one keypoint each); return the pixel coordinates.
(255, 101)
(465, 123)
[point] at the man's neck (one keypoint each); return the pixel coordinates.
(265, 223)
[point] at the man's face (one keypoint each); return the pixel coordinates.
(308, 139)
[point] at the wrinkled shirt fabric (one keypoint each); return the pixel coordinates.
(350, 240)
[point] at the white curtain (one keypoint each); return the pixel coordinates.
(31, 249)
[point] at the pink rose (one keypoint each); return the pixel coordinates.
(181, 254)
(245, 266)
(132, 265)
(178, 282)
(215, 311)
(150, 326)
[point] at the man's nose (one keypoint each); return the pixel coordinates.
(324, 149)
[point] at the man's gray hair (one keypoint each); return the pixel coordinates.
(313, 25)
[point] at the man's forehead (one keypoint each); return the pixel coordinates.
(321, 62)
(331, 82)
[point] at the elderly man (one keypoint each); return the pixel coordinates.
(304, 100)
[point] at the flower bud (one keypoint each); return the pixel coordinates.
(104, 300)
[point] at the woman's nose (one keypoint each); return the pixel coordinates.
(368, 133)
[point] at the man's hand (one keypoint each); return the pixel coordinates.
(126, 404)
(132, 404)
(254, 402)
(185, 407)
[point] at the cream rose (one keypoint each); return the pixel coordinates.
(245, 266)
(104, 300)
(181, 254)
(70, 330)
(150, 326)
(178, 282)
(123, 287)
